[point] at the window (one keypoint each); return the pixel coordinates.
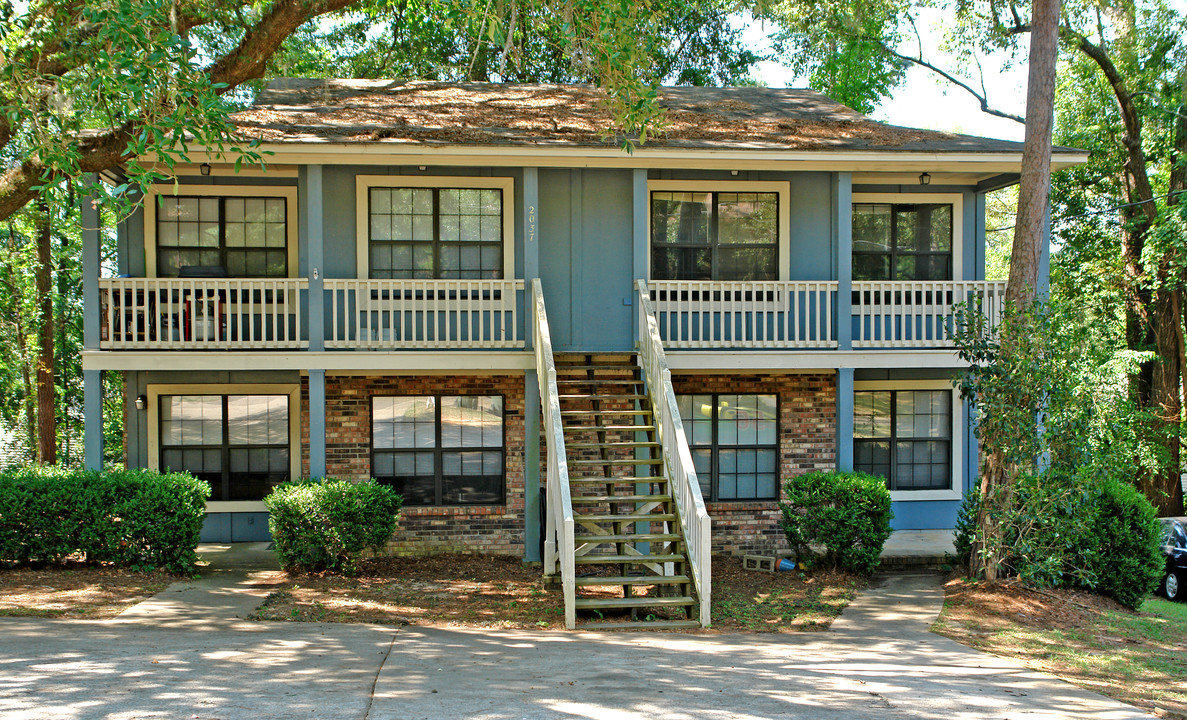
(714, 235)
(902, 241)
(421, 232)
(439, 450)
(904, 436)
(240, 236)
(734, 444)
(237, 443)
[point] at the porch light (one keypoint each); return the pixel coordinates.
(924, 179)
(204, 168)
(141, 402)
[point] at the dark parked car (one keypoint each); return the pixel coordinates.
(1174, 547)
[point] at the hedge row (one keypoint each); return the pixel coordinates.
(137, 519)
(844, 514)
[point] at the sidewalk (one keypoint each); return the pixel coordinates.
(235, 581)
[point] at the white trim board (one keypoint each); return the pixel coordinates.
(288, 192)
(334, 362)
(956, 442)
(364, 183)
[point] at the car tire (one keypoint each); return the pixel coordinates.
(1173, 586)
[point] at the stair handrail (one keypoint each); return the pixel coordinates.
(558, 551)
(678, 465)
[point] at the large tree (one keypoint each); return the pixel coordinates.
(1123, 63)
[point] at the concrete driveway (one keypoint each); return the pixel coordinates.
(878, 662)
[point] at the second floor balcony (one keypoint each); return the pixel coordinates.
(365, 314)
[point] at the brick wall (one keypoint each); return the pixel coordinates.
(807, 442)
(497, 529)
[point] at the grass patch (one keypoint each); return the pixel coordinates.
(503, 592)
(1139, 658)
(76, 591)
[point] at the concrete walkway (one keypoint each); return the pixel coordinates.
(879, 661)
(236, 579)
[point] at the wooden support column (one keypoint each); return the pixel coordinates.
(639, 235)
(844, 419)
(531, 394)
(843, 236)
(314, 229)
(92, 415)
(89, 219)
(317, 423)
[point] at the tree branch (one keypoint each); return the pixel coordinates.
(985, 108)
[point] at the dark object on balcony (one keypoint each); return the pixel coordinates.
(202, 271)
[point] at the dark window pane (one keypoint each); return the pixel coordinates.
(871, 267)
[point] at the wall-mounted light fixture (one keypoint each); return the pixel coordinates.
(733, 172)
(924, 179)
(141, 402)
(422, 168)
(204, 168)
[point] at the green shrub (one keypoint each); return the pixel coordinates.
(326, 524)
(846, 513)
(1125, 538)
(137, 519)
(1075, 531)
(966, 527)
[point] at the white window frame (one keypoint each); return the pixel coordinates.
(154, 393)
(364, 183)
(780, 188)
(956, 200)
(288, 192)
(954, 490)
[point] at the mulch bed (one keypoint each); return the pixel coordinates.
(76, 590)
(1089, 640)
(503, 592)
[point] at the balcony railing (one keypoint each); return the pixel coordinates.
(205, 314)
(441, 314)
(917, 314)
(696, 314)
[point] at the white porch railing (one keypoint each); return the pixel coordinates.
(439, 314)
(678, 466)
(703, 314)
(905, 314)
(204, 314)
(559, 544)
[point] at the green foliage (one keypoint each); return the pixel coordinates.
(137, 519)
(846, 513)
(326, 524)
(966, 527)
(1077, 530)
(1126, 534)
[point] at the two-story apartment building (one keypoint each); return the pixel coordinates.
(364, 306)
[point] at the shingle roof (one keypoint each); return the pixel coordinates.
(296, 110)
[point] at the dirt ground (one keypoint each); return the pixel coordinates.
(503, 592)
(1086, 639)
(76, 591)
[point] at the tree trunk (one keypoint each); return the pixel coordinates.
(47, 435)
(1030, 235)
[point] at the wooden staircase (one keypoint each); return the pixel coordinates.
(631, 558)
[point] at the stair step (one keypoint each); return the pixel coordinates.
(562, 365)
(627, 411)
(609, 461)
(616, 480)
(626, 538)
(622, 518)
(587, 396)
(591, 499)
(627, 559)
(641, 625)
(598, 603)
(633, 580)
(608, 428)
(598, 381)
(633, 444)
